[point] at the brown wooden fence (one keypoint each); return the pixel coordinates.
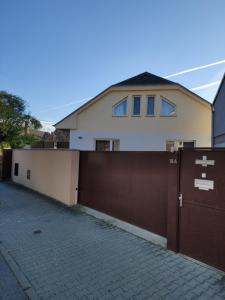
(132, 186)
(180, 196)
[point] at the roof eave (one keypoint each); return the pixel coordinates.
(84, 105)
(194, 94)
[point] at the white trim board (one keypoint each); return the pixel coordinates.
(142, 233)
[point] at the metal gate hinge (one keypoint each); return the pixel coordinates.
(180, 198)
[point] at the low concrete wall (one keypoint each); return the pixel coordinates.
(52, 172)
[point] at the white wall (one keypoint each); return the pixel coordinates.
(134, 141)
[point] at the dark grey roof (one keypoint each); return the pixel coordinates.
(145, 78)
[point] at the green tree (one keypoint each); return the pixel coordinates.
(16, 124)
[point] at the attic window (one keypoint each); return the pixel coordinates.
(136, 105)
(150, 105)
(120, 109)
(168, 108)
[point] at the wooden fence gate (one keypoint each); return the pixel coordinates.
(131, 186)
(202, 206)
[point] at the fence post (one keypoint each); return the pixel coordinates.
(173, 209)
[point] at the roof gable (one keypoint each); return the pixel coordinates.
(143, 79)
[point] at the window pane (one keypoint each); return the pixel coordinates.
(137, 106)
(189, 144)
(102, 145)
(116, 145)
(169, 145)
(120, 109)
(168, 109)
(150, 105)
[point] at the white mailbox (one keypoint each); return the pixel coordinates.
(203, 184)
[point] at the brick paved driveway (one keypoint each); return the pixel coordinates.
(75, 256)
(9, 287)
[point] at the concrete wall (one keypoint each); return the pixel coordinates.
(53, 172)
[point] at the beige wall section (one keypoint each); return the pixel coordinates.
(69, 122)
(53, 172)
(94, 120)
(192, 116)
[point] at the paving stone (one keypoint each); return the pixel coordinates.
(75, 256)
(9, 287)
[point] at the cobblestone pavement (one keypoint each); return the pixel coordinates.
(9, 287)
(66, 254)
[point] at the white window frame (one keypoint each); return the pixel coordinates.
(150, 115)
(118, 103)
(133, 115)
(180, 141)
(170, 102)
(110, 140)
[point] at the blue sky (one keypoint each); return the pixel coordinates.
(57, 53)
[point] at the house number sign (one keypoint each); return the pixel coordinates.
(173, 161)
(205, 162)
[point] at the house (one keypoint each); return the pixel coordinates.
(219, 116)
(145, 112)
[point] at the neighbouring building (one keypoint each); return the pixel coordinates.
(219, 116)
(143, 113)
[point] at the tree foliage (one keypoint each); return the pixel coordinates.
(15, 123)
(59, 135)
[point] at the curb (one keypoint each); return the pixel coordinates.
(27, 288)
(133, 229)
